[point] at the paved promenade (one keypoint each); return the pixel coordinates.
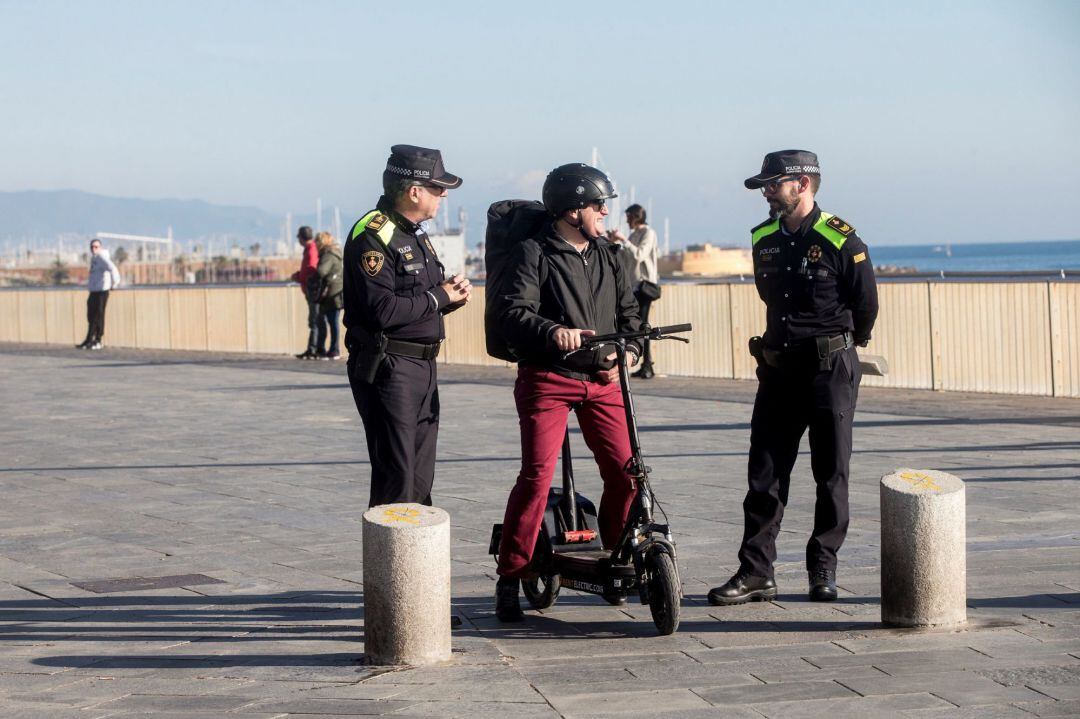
(241, 481)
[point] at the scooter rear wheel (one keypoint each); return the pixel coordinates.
(542, 591)
(664, 592)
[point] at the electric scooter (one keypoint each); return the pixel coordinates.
(568, 550)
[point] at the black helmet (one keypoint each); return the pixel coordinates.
(573, 186)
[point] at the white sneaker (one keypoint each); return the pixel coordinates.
(97, 346)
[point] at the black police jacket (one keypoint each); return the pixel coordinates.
(392, 278)
(550, 284)
(817, 281)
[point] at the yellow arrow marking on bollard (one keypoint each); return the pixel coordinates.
(920, 480)
(402, 515)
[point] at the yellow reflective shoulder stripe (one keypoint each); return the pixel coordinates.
(385, 233)
(764, 231)
(823, 229)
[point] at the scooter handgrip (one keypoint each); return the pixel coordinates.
(672, 329)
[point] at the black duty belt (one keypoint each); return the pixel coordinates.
(417, 350)
(819, 350)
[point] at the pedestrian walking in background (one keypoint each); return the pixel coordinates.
(643, 247)
(816, 279)
(395, 299)
(102, 278)
(331, 284)
(307, 276)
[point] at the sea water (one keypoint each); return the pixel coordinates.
(1001, 258)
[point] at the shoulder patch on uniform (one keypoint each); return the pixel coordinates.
(840, 226)
(859, 257)
(377, 221)
(372, 262)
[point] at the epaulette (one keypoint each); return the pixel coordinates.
(765, 228)
(833, 229)
(840, 226)
(377, 222)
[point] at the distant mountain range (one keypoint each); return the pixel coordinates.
(32, 216)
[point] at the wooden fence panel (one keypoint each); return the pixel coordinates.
(120, 319)
(1065, 337)
(991, 337)
(901, 335)
(708, 308)
(226, 320)
(187, 318)
(60, 326)
(9, 316)
(268, 313)
(153, 324)
(32, 316)
(298, 315)
(747, 320)
(465, 338)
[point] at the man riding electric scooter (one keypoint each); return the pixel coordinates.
(566, 285)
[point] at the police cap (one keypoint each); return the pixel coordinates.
(784, 162)
(420, 164)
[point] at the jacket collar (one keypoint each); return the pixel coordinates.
(387, 208)
(552, 237)
(808, 222)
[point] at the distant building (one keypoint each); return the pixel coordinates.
(707, 261)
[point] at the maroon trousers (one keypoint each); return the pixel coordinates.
(543, 402)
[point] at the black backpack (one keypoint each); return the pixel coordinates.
(510, 222)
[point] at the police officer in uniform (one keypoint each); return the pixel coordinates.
(815, 277)
(395, 299)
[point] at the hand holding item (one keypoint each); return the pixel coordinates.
(457, 288)
(568, 340)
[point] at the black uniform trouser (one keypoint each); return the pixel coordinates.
(95, 316)
(789, 401)
(646, 352)
(400, 411)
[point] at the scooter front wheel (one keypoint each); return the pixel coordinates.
(664, 592)
(542, 591)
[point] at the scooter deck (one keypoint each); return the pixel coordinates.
(591, 563)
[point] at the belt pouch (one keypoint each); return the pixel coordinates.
(823, 354)
(371, 355)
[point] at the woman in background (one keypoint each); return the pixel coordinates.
(330, 298)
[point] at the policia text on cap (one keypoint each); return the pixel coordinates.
(815, 277)
(395, 299)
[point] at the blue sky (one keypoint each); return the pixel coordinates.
(933, 121)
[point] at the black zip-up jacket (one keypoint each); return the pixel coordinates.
(552, 285)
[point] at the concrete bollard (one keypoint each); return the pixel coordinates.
(923, 549)
(406, 585)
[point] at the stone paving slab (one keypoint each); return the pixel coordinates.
(252, 471)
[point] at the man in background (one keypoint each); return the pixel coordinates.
(308, 266)
(102, 278)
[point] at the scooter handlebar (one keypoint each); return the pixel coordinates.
(653, 333)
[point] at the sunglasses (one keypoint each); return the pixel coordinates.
(598, 204)
(774, 185)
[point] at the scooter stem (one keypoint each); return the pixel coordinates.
(569, 493)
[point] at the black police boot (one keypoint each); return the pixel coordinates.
(822, 585)
(742, 588)
(507, 605)
(646, 372)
